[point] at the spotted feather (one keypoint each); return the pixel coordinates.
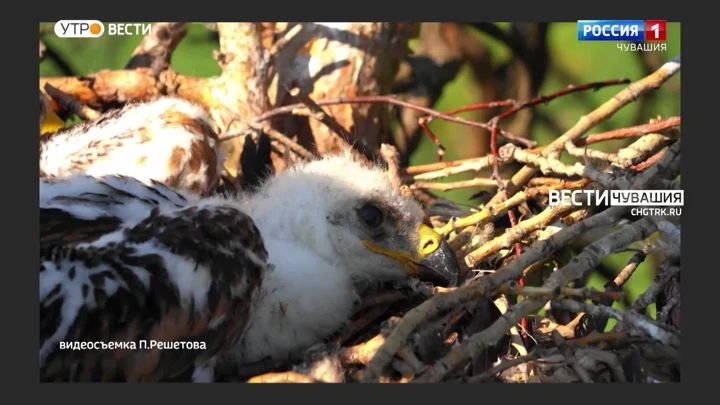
(169, 140)
(123, 261)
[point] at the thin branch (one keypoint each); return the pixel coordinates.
(665, 273)
(505, 365)
(391, 156)
(587, 122)
(514, 234)
(630, 318)
(286, 142)
(71, 104)
(569, 356)
(386, 99)
(476, 182)
(635, 261)
(638, 130)
(561, 292)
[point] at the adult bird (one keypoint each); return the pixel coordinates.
(264, 275)
(167, 139)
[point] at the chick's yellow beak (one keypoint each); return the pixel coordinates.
(433, 259)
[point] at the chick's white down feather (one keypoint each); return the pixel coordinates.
(314, 240)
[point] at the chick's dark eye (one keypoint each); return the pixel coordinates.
(371, 215)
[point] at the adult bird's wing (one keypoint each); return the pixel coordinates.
(140, 283)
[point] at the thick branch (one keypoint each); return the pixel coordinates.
(109, 87)
(347, 60)
(156, 48)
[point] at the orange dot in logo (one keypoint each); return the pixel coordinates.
(95, 28)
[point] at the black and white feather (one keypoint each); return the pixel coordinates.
(126, 262)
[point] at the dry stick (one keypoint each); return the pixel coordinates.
(619, 281)
(503, 366)
(561, 292)
(484, 161)
(319, 114)
(595, 154)
(629, 132)
(361, 353)
(569, 356)
(70, 103)
(504, 156)
(649, 162)
(514, 234)
(630, 318)
(482, 287)
(546, 165)
(475, 164)
(610, 359)
(391, 156)
(515, 108)
(285, 141)
(561, 185)
(107, 87)
(516, 339)
(626, 157)
(284, 377)
(490, 213)
(624, 183)
(424, 121)
(494, 149)
(363, 321)
(638, 149)
(587, 122)
(385, 297)
(644, 147)
(589, 258)
(476, 182)
(389, 99)
(629, 268)
(555, 183)
(328, 120)
(666, 272)
(595, 338)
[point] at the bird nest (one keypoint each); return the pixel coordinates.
(522, 311)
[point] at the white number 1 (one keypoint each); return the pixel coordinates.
(656, 28)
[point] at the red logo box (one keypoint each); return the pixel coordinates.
(655, 30)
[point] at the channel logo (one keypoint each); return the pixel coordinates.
(621, 30)
(79, 28)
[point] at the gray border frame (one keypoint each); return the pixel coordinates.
(21, 220)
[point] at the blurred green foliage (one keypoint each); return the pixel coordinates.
(571, 62)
